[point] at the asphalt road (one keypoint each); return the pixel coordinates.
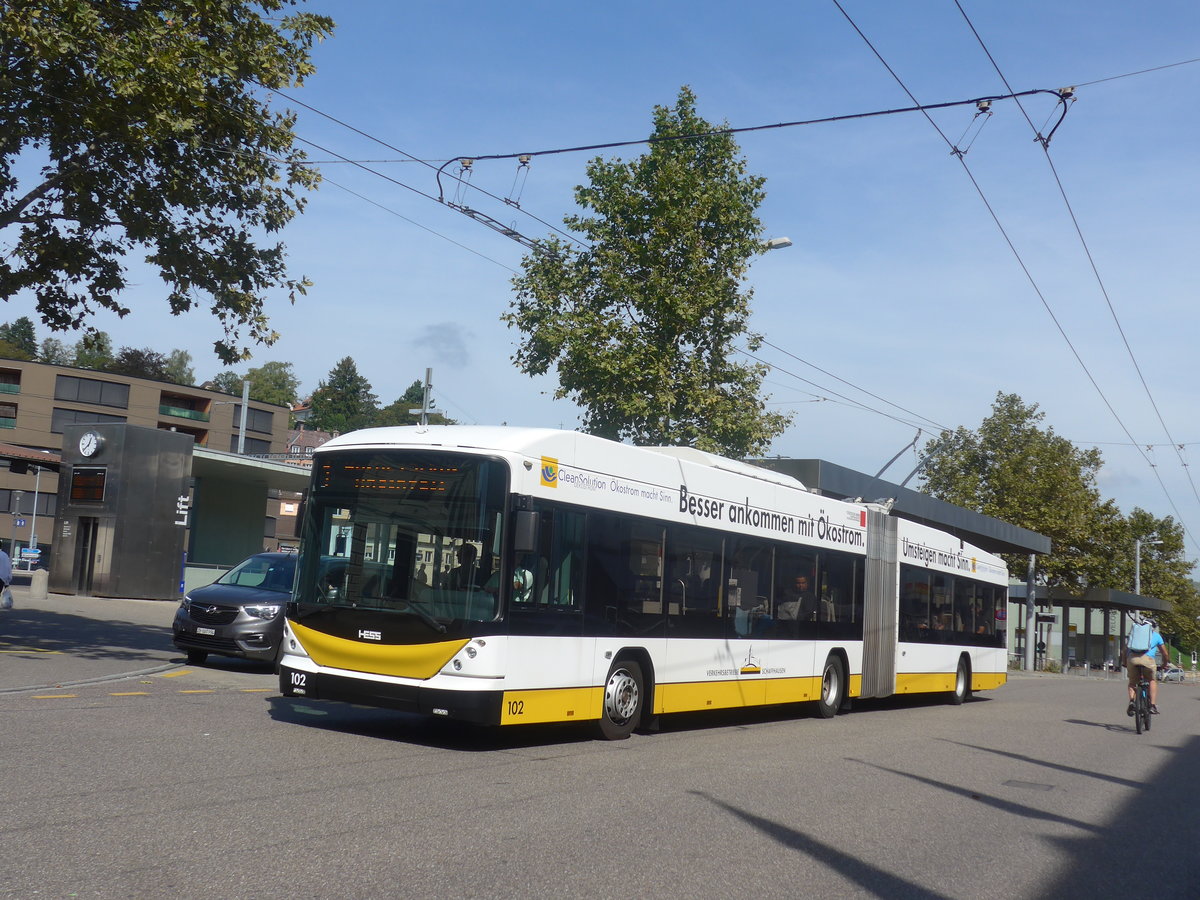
(128, 774)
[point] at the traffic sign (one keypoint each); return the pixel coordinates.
(19, 523)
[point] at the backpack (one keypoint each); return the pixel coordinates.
(1139, 637)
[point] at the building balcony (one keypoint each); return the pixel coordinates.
(7, 388)
(180, 412)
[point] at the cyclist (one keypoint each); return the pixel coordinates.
(1139, 657)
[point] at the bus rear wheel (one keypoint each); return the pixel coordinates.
(624, 692)
(833, 688)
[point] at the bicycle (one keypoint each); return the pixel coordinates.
(1141, 701)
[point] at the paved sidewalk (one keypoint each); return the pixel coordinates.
(66, 640)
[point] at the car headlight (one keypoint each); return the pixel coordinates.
(186, 602)
(264, 611)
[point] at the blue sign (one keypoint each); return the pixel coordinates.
(20, 523)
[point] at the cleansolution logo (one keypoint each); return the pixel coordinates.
(549, 472)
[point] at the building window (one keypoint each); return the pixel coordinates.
(256, 419)
(91, 390)
(10, 381)
(8, 415)
(253, 446)
(60, 418)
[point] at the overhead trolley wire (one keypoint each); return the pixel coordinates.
(1091, 259)
(1064, 95)
(1045, 145)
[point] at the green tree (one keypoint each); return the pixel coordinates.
(179, 367)
(94, 351)
(228, 381)
(344, 401)
(139, 363)
(397, 412)
(641, 325)
(147, 127)
(274, 382)
(55, 352)
(19, 338)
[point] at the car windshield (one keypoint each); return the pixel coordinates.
(266, 573)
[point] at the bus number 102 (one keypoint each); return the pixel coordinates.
(516, 707)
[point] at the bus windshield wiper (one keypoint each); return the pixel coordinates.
(426, 617)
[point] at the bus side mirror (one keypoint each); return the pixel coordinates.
(525, 527)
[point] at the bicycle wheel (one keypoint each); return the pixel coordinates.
(1145, 705)
(1139, 709)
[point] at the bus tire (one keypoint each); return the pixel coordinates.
(197, 657)
(624, 694)
(962, 683)
(833, 687)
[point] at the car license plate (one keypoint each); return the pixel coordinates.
(209, 631)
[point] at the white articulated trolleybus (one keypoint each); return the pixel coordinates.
(507, 575)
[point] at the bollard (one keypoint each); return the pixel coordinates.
(39, 579)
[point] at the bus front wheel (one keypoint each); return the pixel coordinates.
(623, 696)
(833, 688)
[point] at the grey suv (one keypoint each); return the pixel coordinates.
(240, 614)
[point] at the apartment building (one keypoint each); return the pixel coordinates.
(38, 400)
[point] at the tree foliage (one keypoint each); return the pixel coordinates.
(139, 363)
(179, 368)
(94, 351)
(272, 382)
(641, 325)
(146, 127)
(19, 339)
(344, 401)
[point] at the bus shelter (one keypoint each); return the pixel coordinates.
(1076, 629)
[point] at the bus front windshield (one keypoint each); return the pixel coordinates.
(410, 530)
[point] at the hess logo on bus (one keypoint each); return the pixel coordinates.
(365, 635)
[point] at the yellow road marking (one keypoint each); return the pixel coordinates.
(177, 674)
(257, 690)
(130, 694)
(54, 696)
(31, 650)
(197, 692)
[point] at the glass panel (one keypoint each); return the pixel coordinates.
(840, 590)
(696, 597)
(624, 576)
(914, 604)
(387, 530)
(796, 607)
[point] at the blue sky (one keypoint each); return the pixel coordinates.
(898, 282)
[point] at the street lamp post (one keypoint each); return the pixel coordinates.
(1137, 564)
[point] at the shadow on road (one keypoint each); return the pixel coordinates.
(1150, 841)
(33, 633)
(879, 881)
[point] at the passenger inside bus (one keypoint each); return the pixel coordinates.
(466, 575)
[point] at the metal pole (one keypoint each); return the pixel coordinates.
(425, 397)
(1030, 615)
(1137, 567)
(37, 486)
(242, 427)
(16, 512)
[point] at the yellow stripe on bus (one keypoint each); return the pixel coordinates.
(400, 660)
(938, 682)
